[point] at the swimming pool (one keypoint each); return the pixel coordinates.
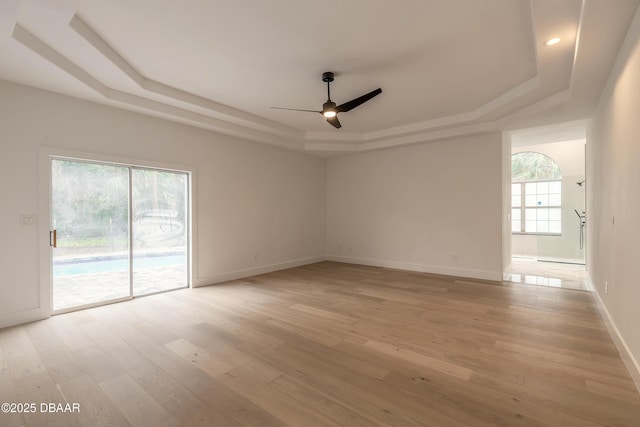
(102, 265)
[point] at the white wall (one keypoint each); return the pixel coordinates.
(613, 194)
(249, 198)
(432, 207)
(569, 155)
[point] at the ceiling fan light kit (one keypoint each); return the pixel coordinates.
(329, 109)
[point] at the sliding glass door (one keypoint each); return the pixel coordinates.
(159, 230)
(118, 232)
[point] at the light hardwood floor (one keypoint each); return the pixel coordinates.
(326, 345)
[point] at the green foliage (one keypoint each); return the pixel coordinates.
(91, 201)
(89, 198)
(530, 166)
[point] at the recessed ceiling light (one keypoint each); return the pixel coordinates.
(552, 41)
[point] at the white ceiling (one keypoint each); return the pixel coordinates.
(446, 67)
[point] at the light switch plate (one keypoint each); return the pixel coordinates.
(28, 220)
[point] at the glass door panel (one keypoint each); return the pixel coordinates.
(90, 213)
(159, 230)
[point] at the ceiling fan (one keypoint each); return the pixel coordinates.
(330, 110)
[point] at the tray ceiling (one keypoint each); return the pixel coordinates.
(446, 67)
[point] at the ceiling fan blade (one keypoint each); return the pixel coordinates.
(296, 109)
(350, 105)
(334, 122)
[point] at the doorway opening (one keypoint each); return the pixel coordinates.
(548, 203)
(118, 232)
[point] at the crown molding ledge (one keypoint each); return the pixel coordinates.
(343, 142)
(215, 109)
(351, 147)
(180, 106)
(142, 104)
(429, 125)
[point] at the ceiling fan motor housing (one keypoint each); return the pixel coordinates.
(329, 105)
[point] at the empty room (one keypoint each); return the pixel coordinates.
(338, 213)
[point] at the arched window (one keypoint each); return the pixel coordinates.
(536, 194)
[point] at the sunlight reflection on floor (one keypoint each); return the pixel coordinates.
(554, 274)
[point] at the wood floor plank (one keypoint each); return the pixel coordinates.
(199, 357)
(58, 359)
(8, 395)
(97, 363)
(327, 344)
(325, 337)
(498, 408)
(575, 404)
(137, 406)
(180, 402)
(125, 357)
(359, 365)
(19, 354)
(70, 332)
(245, 361)
(96, 409)
(608, 391)
(367, 396)
(420, 359)
(43, 387)
(336, 412)
(228, 404)
(273, 401)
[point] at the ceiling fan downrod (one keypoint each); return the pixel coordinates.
(328, 77)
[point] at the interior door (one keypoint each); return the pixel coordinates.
(90, 236)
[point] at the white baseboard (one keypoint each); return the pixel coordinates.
(241, 274)
(625, 353)
(24, 316)
(422, 268)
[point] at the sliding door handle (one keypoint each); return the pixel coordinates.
(53, 238)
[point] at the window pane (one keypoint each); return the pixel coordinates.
(540, 190)
(531, 166)
(555, 214)
(543, 226)
(542, 187)
(515, 226)
(543, 214)
(530, 188)
(515, 214)
(516, 201)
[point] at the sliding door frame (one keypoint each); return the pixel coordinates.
(46, 155)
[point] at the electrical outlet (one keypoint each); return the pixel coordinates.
(606, 287)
